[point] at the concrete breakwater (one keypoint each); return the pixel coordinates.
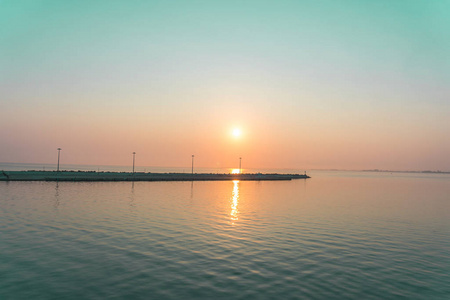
(139, 176)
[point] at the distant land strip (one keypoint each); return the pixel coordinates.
(138, 176)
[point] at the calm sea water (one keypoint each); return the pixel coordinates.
(338, 235)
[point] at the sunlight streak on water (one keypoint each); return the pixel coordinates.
(234, 201)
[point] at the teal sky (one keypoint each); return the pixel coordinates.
(313, 84)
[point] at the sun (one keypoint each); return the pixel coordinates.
(237, 132)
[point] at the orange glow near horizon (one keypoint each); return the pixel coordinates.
(235, 171)
(263, 144)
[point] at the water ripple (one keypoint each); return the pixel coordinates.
(220, 240)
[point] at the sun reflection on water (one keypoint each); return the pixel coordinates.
(234, 201)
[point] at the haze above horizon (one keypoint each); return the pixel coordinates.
(283, 84)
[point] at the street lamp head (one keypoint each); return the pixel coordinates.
(134, 152)
(59, 149)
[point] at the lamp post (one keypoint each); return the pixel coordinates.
(240, 168)
(59, 151)
(192, 169)
(134, 154)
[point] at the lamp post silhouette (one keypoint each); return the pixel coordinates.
(134, 154)
(192, 169)
(240, 168)
(59, 151)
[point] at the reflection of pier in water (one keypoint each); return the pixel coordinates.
(56, 203)
(234, 201)
(131, 198)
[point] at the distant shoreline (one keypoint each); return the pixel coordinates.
(384, 171)
(417, 172)
(91, 176)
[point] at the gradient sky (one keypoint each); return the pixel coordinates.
(311, 84)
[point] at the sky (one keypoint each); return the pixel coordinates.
(310, 84)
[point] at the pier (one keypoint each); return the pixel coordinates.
(138, 176)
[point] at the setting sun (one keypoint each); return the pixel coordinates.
(237, 132)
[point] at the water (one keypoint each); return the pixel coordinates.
(337, 235)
